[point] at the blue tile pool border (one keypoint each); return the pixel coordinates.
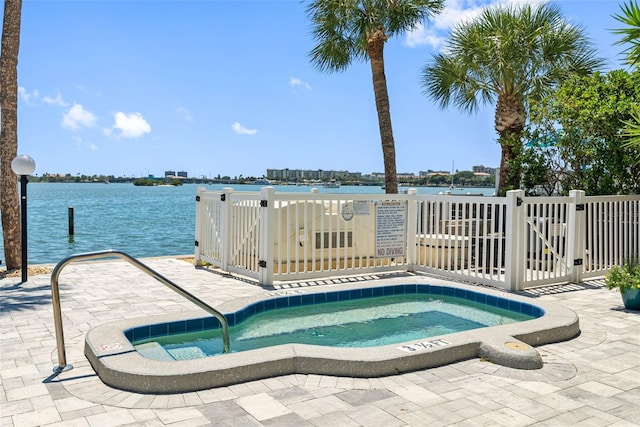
(271, 303)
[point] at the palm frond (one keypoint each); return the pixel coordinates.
(631, 18)
(404, 15)
(631, 133)
(335, 28)
(447, 81)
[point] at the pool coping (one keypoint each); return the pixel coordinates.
(119, 365)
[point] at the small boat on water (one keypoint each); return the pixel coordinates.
(331, 184)
(262, 181)
(453, 187)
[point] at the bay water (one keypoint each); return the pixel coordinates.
(141, 221)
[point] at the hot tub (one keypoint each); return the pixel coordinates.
(116, 360)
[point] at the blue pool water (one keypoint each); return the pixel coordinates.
(355, 318)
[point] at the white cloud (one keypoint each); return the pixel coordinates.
(295, 82)
(420, 36)
(186, 114)
(131, 125)
(455, 12)
(77, 117)
(241, 130)
(26, 96)
(55, 101)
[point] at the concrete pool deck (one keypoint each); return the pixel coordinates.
(593, 379)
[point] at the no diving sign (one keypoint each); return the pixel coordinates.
(391, 229)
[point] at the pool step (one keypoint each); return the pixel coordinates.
(153, 350)
(187, 353)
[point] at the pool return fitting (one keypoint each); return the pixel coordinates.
(57, 311)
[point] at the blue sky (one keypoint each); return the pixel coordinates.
(131, 88)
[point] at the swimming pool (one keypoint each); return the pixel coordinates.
(118, 363)
(366, 317)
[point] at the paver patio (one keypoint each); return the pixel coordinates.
(592, 380)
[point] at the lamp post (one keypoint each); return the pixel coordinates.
(23, 166)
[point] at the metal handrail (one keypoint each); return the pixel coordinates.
(57, 311)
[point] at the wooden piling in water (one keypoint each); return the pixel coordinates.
(71, 225)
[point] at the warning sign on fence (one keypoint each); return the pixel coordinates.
(391, 229)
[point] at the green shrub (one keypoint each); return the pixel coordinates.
(625, 277)
(145, 182)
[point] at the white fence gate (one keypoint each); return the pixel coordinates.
(511, 242)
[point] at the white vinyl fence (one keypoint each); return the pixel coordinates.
(511, 242)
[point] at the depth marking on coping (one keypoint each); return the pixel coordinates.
(110, 347)
(424, 345)
(278, 293)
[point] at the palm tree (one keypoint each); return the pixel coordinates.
(631, 34)
(9, 134)
(351, 30)
(508, 55)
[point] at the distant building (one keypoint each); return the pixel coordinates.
(483, 169)
(434, 173)
(284, 174)
(174, 175)
(310, 175)
(405, 175)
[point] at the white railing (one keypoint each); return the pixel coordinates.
(511, 242)
(612, 232)
(462, 236)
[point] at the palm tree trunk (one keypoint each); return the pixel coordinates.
(9, 203)
(509, 124)
(375, 49)
(509, 171)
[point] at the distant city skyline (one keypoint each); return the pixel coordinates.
(328, 173)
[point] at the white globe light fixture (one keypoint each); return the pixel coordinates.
(23, 166)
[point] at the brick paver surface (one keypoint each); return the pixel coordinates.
(592, 380)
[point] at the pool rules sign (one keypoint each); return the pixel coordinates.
(391, 229)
